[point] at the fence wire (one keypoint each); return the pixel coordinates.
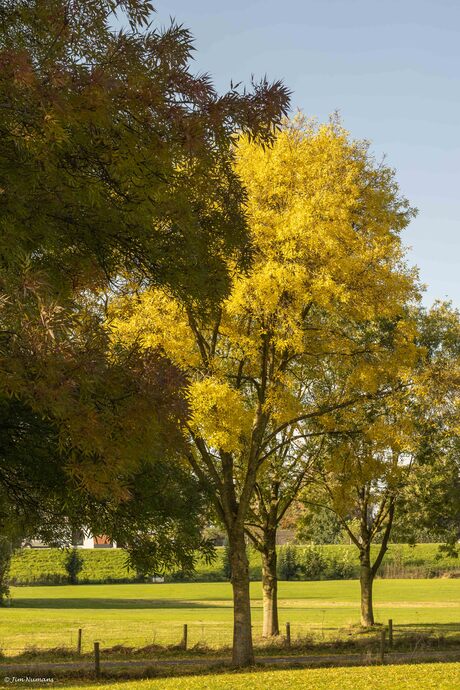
(147, 637)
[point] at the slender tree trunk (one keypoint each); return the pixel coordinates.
(6, 553)
(243, 654)
(270, 625)
(366, 582)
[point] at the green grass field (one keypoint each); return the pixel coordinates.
(140, 614)
(420, 677)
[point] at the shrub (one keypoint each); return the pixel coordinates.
(312, 564)
(340, 568)
(73, 565)
(288, 567)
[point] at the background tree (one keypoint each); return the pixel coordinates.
(361, 482)
(324, 222)
(278, 485)
(432, 500)
(402, 455)
(293, 458)
(431, 507)
(318, 525)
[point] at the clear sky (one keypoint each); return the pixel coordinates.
(392, 69)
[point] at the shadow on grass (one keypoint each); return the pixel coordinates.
(424, 627)
(98, 603)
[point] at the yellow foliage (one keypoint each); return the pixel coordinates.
(218, 415)
(327, 270)
(157, 321)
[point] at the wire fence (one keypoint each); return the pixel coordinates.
(115, 634)
(147, 638)
(399, 571)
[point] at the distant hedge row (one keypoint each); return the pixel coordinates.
(46, 567)
(329, 562)
(341, 562)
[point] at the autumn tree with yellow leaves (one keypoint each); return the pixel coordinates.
(431, 498)
(362, 474)
(397, 456)
(327, 260)
(305, 457)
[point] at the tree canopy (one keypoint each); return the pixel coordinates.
(327, 269)
(115, 157)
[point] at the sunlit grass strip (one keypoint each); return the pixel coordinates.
(422, 677)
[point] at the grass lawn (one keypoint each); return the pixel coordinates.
(139, 614)
(420, 677)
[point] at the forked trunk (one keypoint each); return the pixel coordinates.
(243, 654)
(270, 626)
(366, 582)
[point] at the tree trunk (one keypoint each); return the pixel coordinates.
(6, 552)
(366, 582)
(270, 625)
(243, 654)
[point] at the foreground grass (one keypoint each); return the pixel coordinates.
(421, 677)
(142, 614)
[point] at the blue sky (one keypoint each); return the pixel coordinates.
(392, 69)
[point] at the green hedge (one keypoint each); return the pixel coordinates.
(337, 562)
(341, 561)
(46, 566)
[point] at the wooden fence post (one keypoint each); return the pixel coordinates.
(185, 636)
(97, 660)
(79, 641)
(390, 633)
(288, 634)
(382, 646)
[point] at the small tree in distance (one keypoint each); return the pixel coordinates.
(73, 565)
(287, 565)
